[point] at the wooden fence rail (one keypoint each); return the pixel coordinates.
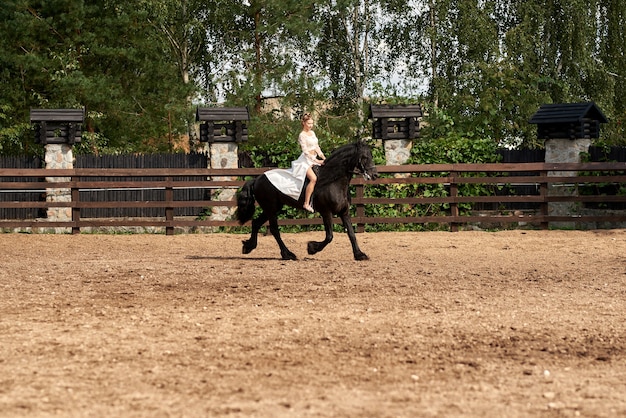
(543, 176)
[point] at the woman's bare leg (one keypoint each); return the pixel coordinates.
(309, 189)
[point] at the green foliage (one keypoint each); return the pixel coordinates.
(106, 58)
(490, 65)
(447, 144)
(14, 136)
(138, 67)
(258, 46)
(276, 154)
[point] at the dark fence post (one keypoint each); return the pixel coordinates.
(454, 205)
(543, 191)
(75, 207)
(169, 209)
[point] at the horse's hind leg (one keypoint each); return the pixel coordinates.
(250, 244)
(284, 251)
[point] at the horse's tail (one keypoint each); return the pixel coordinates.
(245, 202)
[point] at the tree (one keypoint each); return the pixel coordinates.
(137, 67)
(491, 64)
(346, 51)
(101, 56)
(612, 55)
(259, 45)
(555, 46)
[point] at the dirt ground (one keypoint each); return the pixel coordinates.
(436, 324)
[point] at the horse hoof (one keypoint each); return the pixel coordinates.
(361, 257)
(247, 248)
(289, 256)
(311, 248)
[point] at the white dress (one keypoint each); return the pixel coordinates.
(291, 180)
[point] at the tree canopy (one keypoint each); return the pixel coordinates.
(481, 68)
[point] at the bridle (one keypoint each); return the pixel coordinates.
(364, 171)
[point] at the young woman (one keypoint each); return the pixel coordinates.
(311, 150)
(291, 181)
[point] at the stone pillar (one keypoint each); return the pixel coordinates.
(398, 152)
(223, 155)
(564, 151)
(223, 128)
(59, 156)
(397, 126)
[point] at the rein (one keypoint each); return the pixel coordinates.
(362, 170)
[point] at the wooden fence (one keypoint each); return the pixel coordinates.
(545, 177)
(132, 161)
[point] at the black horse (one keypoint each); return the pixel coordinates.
(330, 197)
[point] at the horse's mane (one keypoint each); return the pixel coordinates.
(341, 161)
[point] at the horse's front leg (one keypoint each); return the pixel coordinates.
(284, 251)
(315, 246)
(250, 244)
(347, 224)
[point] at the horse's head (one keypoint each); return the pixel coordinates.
(345, 161)
(365, 162)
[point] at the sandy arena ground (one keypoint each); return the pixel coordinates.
(436, 324)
